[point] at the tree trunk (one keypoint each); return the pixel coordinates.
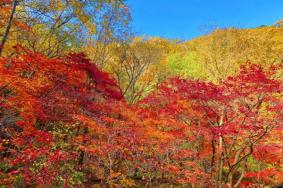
(220, 163)
(5, 37)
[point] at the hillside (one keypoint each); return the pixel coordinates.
(220, 53)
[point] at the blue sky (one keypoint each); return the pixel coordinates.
(186, 19)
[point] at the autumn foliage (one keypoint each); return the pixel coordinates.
(38, 96)
(64, 123)
(86, 103)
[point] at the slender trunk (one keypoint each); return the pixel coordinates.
(4, 39)
(213, 156)
(237, 184)
(220, 163)
(220, 154)
(230, 172)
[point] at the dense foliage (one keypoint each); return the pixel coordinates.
(85, 104)
(65, 123)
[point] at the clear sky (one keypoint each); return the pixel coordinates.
(186, 19)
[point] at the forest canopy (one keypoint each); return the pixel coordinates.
(84, 102)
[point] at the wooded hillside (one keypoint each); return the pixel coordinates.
(86, 103)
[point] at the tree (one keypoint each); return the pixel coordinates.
(228, 120)
(186, 66)
(7, 30)
(222, 52)
(139, 66)
(42, 96)
(57, 26)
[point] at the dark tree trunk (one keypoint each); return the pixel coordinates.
(5, 37)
